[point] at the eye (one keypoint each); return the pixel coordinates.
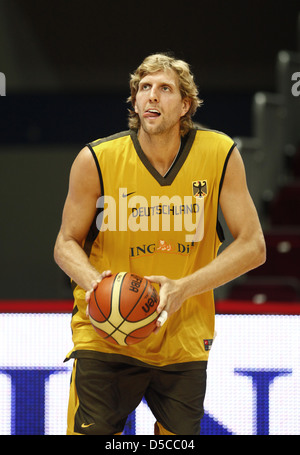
(166, 88)
(145, 86)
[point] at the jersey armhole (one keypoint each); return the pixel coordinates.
(98, 168)
(94, 231)
(219, 227)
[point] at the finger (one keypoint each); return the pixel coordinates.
(89, 293)
(161, 306)
(160, 321)
(162, 318)
(154, 279)
(106, 273)
(95, 284)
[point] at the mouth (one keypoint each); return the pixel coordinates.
(152, 113)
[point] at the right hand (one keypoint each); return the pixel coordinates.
(94, 286)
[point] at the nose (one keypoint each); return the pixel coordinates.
(153, 95)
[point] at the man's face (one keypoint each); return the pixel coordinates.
(159, 104)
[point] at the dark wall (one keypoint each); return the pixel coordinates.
(33, 186)
(95, 44)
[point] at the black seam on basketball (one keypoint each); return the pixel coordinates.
(116, 329)
(95, 297)
(106, 319)
(134, 336)
(101, 322)
(125, 319)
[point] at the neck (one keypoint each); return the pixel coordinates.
(160, 150)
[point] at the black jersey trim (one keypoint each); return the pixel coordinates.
(93, 231)
(98, 168)
(219, 227)
(186, 144)
(109, 138)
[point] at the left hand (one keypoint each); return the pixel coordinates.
(170, 295)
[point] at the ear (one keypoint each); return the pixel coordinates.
(186, 104)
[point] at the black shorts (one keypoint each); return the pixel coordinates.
(103, 394)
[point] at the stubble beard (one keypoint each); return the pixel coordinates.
(157, 130)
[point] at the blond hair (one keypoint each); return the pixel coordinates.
(187, 87)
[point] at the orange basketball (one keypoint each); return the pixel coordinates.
(122, 308)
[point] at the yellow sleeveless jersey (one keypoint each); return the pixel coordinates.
(148, 224)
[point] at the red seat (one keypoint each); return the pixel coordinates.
(283, 254)
(266, 290)
(285, 208)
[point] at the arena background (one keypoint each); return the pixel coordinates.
(66, 67)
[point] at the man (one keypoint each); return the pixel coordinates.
(172, 179)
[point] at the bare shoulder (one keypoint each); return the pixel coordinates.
(235, 200)
(84, 162)
(235, 172)
(84, 174)
(84, 190)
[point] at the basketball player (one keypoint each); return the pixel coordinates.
(161, 155)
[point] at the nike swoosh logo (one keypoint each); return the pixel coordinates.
(85, 425)
(128, 194)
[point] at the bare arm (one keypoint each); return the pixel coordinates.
(78, 214)
(246, 252)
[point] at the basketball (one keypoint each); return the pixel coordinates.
(122, 309)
